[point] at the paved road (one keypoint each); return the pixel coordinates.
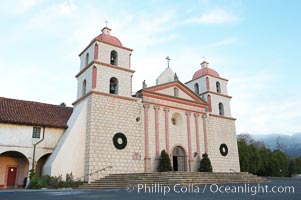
(276, 190)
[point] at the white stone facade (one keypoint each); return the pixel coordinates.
(170, 116)
(165, 116)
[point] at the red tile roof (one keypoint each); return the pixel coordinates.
(31, 113)
(204, 71)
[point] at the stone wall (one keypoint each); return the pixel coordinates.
(108, 115)
(221, 130)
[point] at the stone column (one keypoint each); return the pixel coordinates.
(197, 135)
(157, 136)
(166, 110)
(147, 159)
(190, 159)
(205, 133)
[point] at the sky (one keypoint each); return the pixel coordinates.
(254, 44)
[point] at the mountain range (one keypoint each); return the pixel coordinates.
(291, 144)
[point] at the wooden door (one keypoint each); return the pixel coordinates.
(11, 176)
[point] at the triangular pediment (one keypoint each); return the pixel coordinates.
(168, 89)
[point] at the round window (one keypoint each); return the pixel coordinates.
(223, 149)
(119, 140)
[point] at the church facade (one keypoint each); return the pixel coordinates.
(110, 126)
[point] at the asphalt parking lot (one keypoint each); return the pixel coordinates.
(277, 189)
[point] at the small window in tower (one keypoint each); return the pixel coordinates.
(218, 87)
(113, 85)
(176, 92)
(173, 121)
(221, 109)
(196, 88)
(84, 87)
(114, 57)
(87, 59)
(36, 132)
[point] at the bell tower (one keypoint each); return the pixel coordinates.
(105, 67)
(208, 84)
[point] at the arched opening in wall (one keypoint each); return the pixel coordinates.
(218, 87)
(84, 87)
(113, 85)
(176, 119)
(221, 109)
(176, 92)
(96, 52)
(87, 59)
(13, 169)
(196, 88)
(114, 58)
(207, 84)
(40, 164)
(94, 77)
(209, 103)
(179, 159)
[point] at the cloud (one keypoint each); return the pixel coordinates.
(17, 7)
(257, 111)
(67, 8)
(215, 17)
(224, 42)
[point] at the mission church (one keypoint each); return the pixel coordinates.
(109, 127)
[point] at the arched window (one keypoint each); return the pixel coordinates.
(114, 58)
(113, 85)
(84, 87)
(221, 109)
(87, 59)
(196, 88)
(218, 87)
(96, 52)
(209, 103)
(207, 84)
(176, 92)
(94, 77)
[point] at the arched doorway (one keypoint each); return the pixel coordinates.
(179, 159)
(40, 164)
(13, 169)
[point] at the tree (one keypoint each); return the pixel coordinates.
(256, 158)
(294, 166)
(205, 164)
(279, 163)
(244, 155)
(297, 169)
(164, 163)
(265, 168)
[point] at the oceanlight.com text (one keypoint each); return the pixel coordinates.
(246, 188)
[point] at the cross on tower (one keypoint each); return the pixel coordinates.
(106, 23)
(168, 59)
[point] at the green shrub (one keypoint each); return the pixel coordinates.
(53, 182)
(205, 164)
(56, 182)
(164, 163)
(31, 174)
(39, 182)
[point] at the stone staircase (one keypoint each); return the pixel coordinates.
(113, 181)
